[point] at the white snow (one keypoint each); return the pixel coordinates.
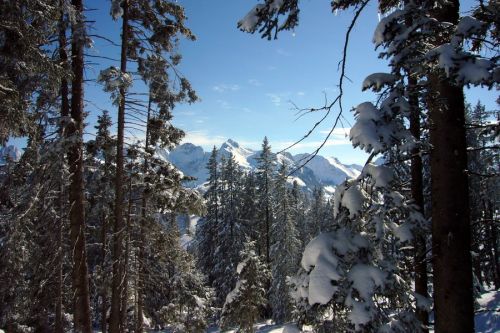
(381, 175)
(318, 255)
(249, 22)
(365, 132)
(192, 160)
(468, 70)
(488, 314)
(378, 80)
(299, 181)
(199, 301)
(276, 4)
(467, 26)
(365, 279)
(380, 35)
(233, 293)
(240, 267)
(116, 9)
(403, 231)
(350, 196)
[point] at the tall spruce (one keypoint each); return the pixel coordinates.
(207, 231)
(265, 170)
(242, 305)
(284, 249)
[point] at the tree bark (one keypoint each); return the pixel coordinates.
(117, 288)
(451, 238)
(142, 234)
(104, 282)
(81, 299)
(417, 191)
(126, 259)
(64, 92)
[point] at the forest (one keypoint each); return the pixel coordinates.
(90, 225)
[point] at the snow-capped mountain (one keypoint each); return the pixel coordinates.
(320, 171)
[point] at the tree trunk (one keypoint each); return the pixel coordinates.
(451, 238)
(64, 92)
(417, 191)
(116, 289)
(81, 300)
(126, 260)
(104, 282)
(142, 234)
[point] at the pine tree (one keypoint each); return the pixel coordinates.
(207, 230)
(74, 131)
(100, 169)
(284, 249)
(299, 207)
(317, 214)
(265, 171)
(248, 214)
(243, 303)
(150, 29)
(27, 30)
(483, 188)
(230, 236)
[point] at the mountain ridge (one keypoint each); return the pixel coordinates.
(326, 172)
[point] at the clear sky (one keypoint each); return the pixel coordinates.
(248, 86)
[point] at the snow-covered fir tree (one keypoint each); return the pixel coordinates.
(243, 303)
(207, 228)
(265, 170)
(230, 234)
(285, 247)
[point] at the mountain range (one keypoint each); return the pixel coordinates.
(326, 172)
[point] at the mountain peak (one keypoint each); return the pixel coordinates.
(320, 171)
(232, 143)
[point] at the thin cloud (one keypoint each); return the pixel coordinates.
(305, 146)
(222, 88)
(224, 104)
(275, 98)
(187, 113)
(338, 132)
(254, 82)
(283, 53)
(279, 98)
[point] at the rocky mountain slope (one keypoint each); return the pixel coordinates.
(320, 171)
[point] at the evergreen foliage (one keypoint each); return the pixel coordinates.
(243, 303)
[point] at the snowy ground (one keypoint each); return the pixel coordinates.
(487, 318)
(267, 327)
(488, 315)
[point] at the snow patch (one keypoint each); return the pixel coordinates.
(250, 21)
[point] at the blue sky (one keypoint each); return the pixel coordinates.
(248, 85)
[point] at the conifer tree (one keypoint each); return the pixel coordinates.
(149, 31)
(208, 227)
(230, 236)
(265, 171)
(100, 170)
(74, 131)
(243, 303)
(284, 249)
